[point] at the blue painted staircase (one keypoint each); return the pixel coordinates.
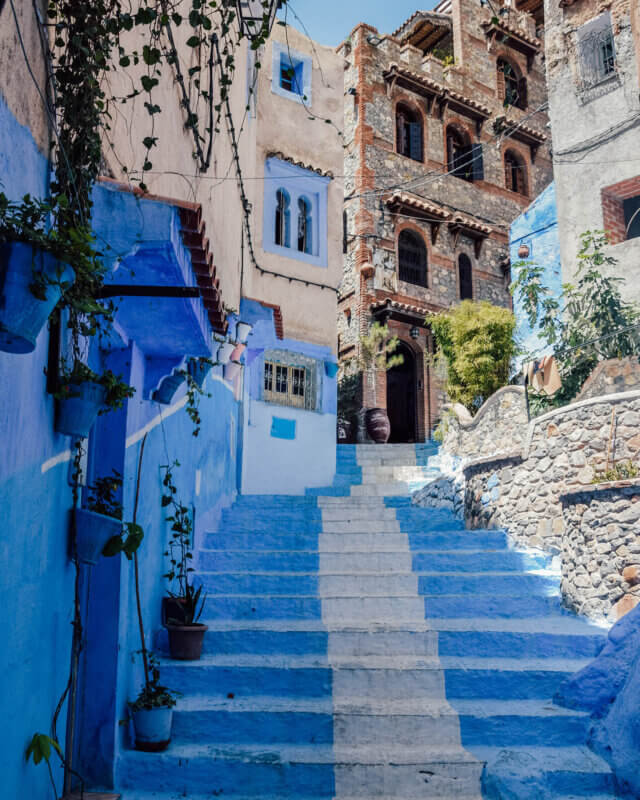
(361, 647)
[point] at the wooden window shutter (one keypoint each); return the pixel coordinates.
(522, 93)
(415, 141)
(477, 162)
(401, 134)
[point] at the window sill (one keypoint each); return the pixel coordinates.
(293, 96)
(586, 94)
(295, 255)
(409, 158)
(274, 404)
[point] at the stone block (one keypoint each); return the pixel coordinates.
(624, 605)
(631, 574)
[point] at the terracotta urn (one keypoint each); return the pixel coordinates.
(378, 425)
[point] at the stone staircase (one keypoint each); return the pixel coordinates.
(361, 647)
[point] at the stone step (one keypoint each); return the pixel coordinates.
(541, 583)
(375, 609)
(249, 675)
(261, 541)
(267, 641)
(500, 723)
(553, 771)
(311, 584)
(258, 560)
(478, 561)
(506, 678)
(519, 644)
(380, 489)
(489, 605)
(347, 513)
(262, 607)
(361, 526)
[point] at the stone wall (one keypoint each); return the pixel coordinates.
(500, 426)
(601, 549)
(523, 490)
(612, 376)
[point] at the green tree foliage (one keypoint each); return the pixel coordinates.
(588, 310)
(475, 343)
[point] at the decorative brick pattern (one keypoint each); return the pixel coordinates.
(613, 198)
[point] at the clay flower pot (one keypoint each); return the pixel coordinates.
(153, 728)
(185, 641)
(378, 425)
(22, 314)
(224, 352)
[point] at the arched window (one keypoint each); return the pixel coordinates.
(466, 277)
(408, 133)
(282, 236)
(459, 154)
(305, 241)
(515, 173)
(512, 87)
(412, 258)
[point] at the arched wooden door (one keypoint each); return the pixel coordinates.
(401, 397)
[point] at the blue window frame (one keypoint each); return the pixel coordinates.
(291, 74)
(295, 212)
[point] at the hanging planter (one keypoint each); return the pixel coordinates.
(198, 369)
(93, 531)
(168, 387)
(22, 314)
(224, 352)
(232, 370)
(243, 329)
(330, 369)
(78, 406)
(152, 728)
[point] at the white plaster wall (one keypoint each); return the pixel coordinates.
(282, 466)
(580, 177)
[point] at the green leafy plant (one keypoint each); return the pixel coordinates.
(103, 494)
(475, 347)
(619, 472)
(117, 391)
(153, 694)
(589, 322)
(40, 748)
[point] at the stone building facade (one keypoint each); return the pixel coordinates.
(446, 144)
(593, 56)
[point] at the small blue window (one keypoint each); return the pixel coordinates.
(305, 226)
(291, 74)
(282, 235)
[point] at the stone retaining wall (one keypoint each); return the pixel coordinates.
(523, 490)
(499, 426)
(601, 549)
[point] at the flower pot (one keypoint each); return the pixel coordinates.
(22, 314)
(93, 531)
(345, 431)
(172, 610)
(224, 352)
(153, 728)
(198, 370)
(232, 370)
(378, 425)
(167, 388)
(185, 641)
(77, 411)
(330, 369)
(243, 329)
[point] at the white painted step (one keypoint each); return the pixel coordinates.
(375, 609)
(349, 511)
(361, 526)
(362, 542)
(376, 585)
(380, 731)
(355, 563)
(395, 489)
(392, 684)
(399, 642)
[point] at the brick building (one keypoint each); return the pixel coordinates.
(446, 144)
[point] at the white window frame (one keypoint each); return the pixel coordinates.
(296, 58)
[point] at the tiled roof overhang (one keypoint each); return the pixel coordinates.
(409, 312)
(419, 208)
(445, 97)
(424, 29)
(513, 37)
(521, 132)
(462, 225)
(278, 321)
(282, 157)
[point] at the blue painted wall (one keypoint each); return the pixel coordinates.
(36, 581)
(537, 227)
(272, 464)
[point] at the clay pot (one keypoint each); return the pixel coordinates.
(153, 729)
(185, 641)
(523, 251)
(378, 425)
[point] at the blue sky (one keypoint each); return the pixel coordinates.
(330, 21)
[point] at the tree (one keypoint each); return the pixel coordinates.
(575, 323)
(475, 344)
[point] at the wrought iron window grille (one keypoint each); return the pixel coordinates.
(597, 57)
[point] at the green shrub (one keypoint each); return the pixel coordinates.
(475, 344)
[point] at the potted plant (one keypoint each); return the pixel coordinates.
(101, 520)
(181, 608)
(375, 353)
(243, 329)
(224, 352)
(186, 634)
(152, 710)
(83, 394)
(34, 272)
